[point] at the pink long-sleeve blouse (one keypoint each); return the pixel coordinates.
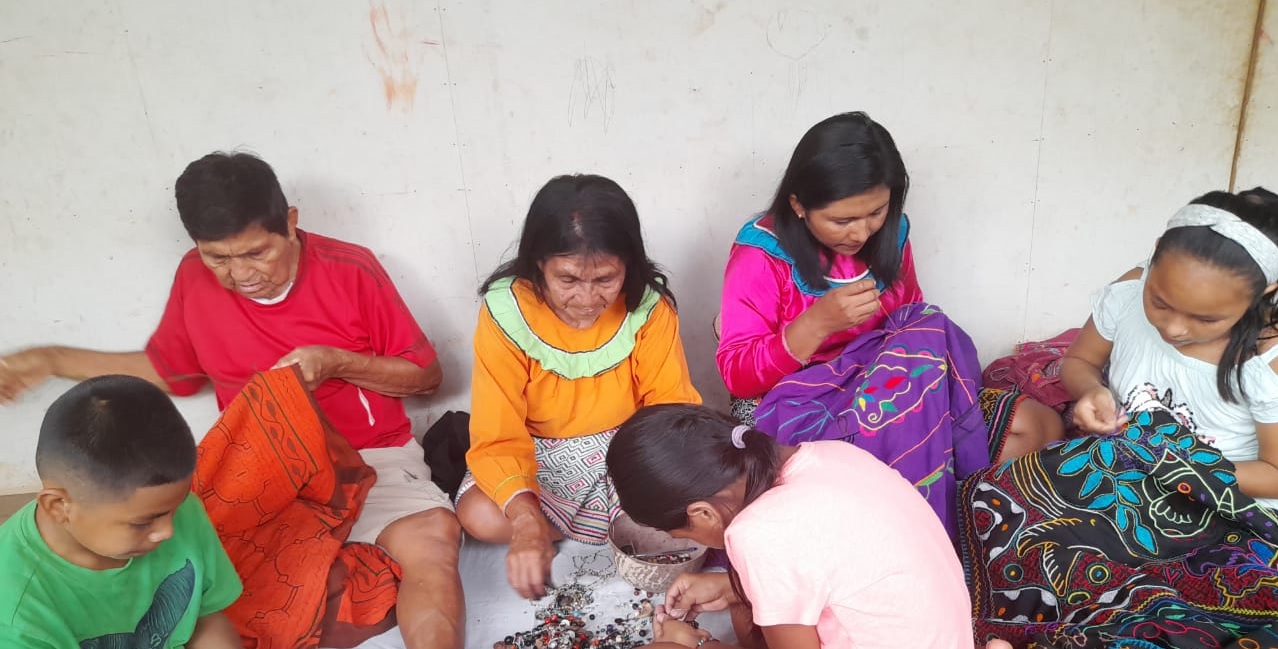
(763, 294)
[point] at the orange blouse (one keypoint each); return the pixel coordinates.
(535, 376)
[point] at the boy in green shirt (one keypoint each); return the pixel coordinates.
(115, 552)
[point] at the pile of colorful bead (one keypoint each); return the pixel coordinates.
(564, 622)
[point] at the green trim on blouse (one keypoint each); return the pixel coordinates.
(503, 305)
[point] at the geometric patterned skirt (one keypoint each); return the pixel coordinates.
(576, 495)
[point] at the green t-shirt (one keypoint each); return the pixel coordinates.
(153, 601)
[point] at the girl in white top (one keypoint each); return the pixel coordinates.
(1195, 330)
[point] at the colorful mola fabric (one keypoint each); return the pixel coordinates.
(908, 393)
(1137, 539)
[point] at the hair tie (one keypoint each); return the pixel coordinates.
(1259, 246)
(738, 436)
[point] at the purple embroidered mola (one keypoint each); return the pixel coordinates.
(907, 393)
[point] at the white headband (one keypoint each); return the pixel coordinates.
(1261, 248)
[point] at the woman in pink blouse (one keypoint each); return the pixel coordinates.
(826, 268)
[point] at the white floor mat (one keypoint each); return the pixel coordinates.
(494, 611)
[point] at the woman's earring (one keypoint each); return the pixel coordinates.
(800, 216)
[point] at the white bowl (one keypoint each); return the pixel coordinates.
(640, 540)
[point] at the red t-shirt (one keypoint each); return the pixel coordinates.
(341, 297)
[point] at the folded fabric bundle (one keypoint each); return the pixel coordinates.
(283, 490)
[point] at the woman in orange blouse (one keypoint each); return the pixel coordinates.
(576, 333)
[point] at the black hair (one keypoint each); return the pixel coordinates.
(840, 157)
(666, 457)
(1257, 207)
(223, 194)
(669, 456)
(112, 435)
(584, 215)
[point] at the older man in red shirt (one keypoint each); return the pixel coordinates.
(256, 293)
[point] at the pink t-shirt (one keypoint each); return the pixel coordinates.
(844, 543)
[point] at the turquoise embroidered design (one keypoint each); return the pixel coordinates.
(756, 236)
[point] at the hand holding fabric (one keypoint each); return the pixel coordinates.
(316, 363)
(1096, 412)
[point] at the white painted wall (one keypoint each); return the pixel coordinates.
(1047, 142)
(1258, 156)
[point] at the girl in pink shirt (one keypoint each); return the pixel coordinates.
(831, 549)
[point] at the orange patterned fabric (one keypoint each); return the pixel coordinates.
(283, 490)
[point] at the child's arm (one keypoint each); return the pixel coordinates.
(792, 636)
(220, 586)
(1259, 478)
(1095, 410)
(214, 631)
(1081, 370)
(749, 636)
